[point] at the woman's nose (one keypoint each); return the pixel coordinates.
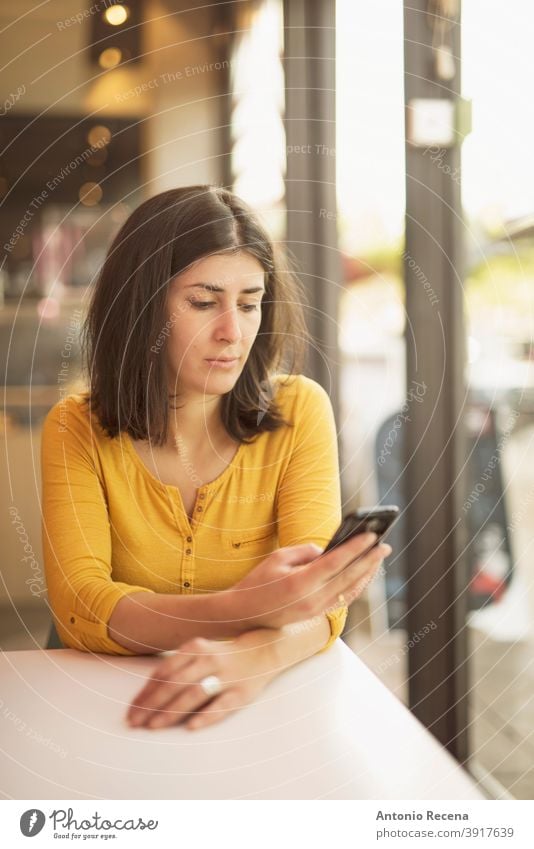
(228, 326)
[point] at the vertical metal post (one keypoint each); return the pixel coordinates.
(434, 436)
(309, 64)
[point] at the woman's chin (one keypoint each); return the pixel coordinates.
(216, 384)
(220, 383)
(210, 381)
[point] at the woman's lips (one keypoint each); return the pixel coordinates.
(226, 364)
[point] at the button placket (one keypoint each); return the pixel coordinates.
(199, 508)
(187, 572)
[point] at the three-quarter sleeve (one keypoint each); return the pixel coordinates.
(309, 494)
(76, 533)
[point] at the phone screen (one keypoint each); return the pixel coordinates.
(377, 520)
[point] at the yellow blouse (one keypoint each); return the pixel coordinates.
(111, 528)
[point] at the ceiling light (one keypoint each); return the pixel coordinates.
(98, 136)
(109, 58)
(90, 194)
(116, 15)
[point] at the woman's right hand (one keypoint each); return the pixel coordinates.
(298, 582)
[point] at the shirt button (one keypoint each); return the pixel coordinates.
(199, 509)
(187, 584)
(188, 551)
(189, 539)
(72, 619)
(202, 495)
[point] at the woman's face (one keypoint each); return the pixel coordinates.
(214, 313)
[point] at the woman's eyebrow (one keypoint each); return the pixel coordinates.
(212, 287)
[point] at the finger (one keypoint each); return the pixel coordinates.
(169, 668)
(371, 556)
(218, 709)
(330, 564)
(348, 597)
(179, 708)
(296, 555)
(314, 576)
(363, 546)
(354, 567)
(313, 590)
(352, 581)
(356, 578)
(355, 590)
(159, 678)
(351, 574)
(145, 703)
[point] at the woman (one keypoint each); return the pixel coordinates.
(185, 493)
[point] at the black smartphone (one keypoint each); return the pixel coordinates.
(376, 520)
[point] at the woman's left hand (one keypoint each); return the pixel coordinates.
(173, 694)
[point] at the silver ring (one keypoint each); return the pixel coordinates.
(211, 685)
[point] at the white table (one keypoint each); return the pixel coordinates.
(325, 729)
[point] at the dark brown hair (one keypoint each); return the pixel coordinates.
(163, 236)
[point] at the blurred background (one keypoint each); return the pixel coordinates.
(363, 167)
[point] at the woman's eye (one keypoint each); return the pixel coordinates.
(200, 305)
